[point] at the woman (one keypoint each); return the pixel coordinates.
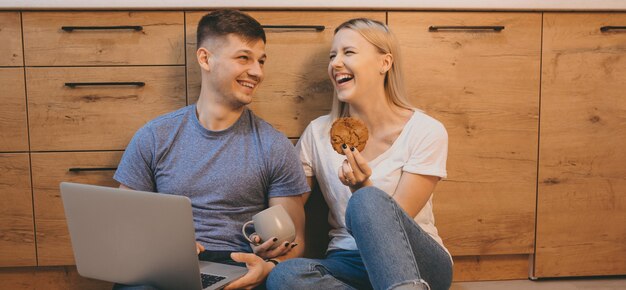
(380, 200)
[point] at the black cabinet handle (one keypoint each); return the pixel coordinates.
(438, 28)
(123, 27)
(608, 28)
(73, 85)
(80, 169)
(318, 28)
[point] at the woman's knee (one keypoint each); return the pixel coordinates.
(287, 274)
(364, 204)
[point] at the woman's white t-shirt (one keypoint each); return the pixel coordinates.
(421, 148)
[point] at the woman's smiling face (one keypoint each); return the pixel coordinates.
(355, 65)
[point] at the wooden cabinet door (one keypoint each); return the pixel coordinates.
(17, 233)
(296, 88)
(103, 38)
(581, 208)
(49, 170)
(13, 124)
(66, 112)
(483, 85)
(11, 36)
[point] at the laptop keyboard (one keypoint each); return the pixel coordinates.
(208, 279)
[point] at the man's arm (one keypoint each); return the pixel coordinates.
(258, 269)
(294, 205)
(305, 196)
(293, 210)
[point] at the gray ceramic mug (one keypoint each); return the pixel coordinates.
(272, 222)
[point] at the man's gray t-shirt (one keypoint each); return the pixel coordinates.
(229, 175)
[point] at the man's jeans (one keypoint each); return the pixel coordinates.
(394, 253)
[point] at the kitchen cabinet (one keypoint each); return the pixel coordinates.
(13, 120)
(13, 123)
(17, 242)
(532, 102)
(103, 38)
(98, 108)
(17, 231)
(11, 35)
(478, 73)
(92, 80)
(49, 170)
(581, 207)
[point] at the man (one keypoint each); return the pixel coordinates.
(229, 162)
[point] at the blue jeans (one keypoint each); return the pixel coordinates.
(394, 253)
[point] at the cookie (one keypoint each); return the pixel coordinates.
(349, 131)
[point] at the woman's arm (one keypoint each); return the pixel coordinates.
(413, 191)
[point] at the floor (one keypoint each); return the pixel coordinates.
(614, 283)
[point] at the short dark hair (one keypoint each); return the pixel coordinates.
(220, 23)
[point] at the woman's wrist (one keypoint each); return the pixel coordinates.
(365, 183)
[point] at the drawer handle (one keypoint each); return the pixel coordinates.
(80, 169)
(318, 28)
(608, 28)
(73, 85)
(123, 27)
(437, 28)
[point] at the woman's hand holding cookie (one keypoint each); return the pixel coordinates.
(348, 136)
(354, 172)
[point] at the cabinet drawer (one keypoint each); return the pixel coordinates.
(11, 35)
(13, 124)
(103, 38)
(482, 83)
(17, 235)
(68, 112)
(49, 169)
(296, 88)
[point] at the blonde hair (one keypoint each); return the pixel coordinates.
(379, 35)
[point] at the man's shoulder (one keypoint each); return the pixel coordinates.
(168, 121)
(270, 138)
(170, 118)
(162, 125)
(265, 129)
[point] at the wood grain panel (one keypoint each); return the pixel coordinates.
(17, 233)
(11, 35)
(470, 268)
(296, 88)
(49, 169)
(13, 123)
(581, 214)
(484, 87)
(160, 42)
(483, 268)
(49, 278)
(98, 118)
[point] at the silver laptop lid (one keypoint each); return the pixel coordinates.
(132, 237)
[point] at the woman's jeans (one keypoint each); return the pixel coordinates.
(394, 253)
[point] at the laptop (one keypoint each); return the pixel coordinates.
(138, 238)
